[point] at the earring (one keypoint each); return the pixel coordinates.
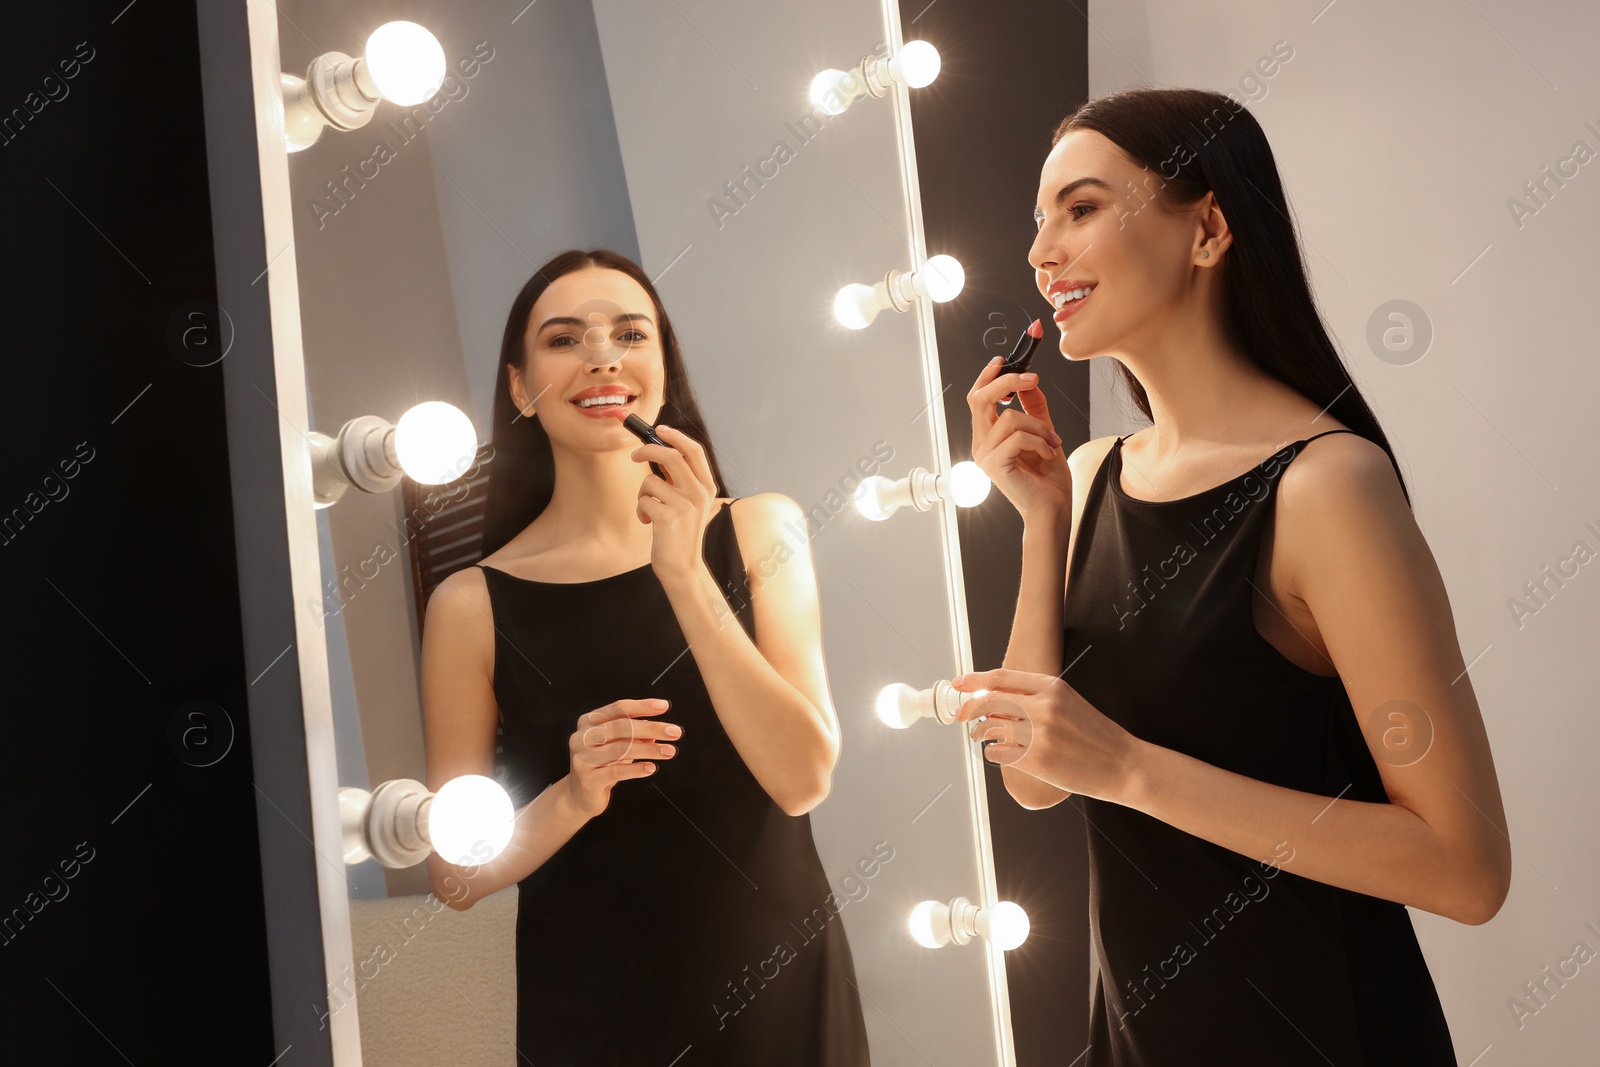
(1205, 255)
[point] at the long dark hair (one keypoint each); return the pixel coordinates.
(522, 473)
(1194, 141)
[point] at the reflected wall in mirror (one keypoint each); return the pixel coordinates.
(759, 899)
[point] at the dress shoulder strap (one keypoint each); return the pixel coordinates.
(1325, 433)
(727, 565)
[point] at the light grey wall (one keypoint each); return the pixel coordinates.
(703, 89)
(527, 166)
(1403, 134)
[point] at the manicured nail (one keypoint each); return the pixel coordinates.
(673, 731)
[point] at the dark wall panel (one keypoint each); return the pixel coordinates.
(130, 891)
(1010, 73)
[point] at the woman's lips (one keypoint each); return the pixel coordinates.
(605, 411)
(1070, 308)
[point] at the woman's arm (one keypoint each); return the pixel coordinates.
(1351, 550)
(1035, 643)
(772, 696)
(459, 714)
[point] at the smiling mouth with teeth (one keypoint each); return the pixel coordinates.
(1062, 299)
(610, 400)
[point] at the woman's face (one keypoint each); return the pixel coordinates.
(591, 329)
(1099, 227)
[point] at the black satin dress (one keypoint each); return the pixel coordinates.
(1201, 955)
(690, 923)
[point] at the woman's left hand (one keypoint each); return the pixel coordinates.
(678, 511)
(1042, 726)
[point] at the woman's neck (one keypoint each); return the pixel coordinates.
(596, 502)
(1201, 386)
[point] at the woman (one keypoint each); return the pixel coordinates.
(1251, 679)
(667, 760)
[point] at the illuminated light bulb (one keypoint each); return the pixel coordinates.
(896, 705)
(926, 920)
(405, 62)
(964, 485)
(934, 924)
(470, 820)
(940, 279)
(833, 91)
(969, 486)
(917, 64)
(435, 442)
(900, 706)
(1005, 925)
(877, 497)
(856, 306)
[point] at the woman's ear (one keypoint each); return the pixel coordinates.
(519, 395)
(1214, 234)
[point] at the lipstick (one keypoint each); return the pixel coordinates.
(1017, 362)
(646, 433)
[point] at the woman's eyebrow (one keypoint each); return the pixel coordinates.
(1072, 186)
(568, 320)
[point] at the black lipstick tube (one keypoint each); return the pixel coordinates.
(1017, 363)
(646, 433)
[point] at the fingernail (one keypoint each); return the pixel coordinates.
(658, 703)
(958, 679)
(1030, 377)
(995, 360)
(673, 731)
(666, 750)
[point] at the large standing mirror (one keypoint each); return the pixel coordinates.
(684, 136)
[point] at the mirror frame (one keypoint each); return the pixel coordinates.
(291, 721)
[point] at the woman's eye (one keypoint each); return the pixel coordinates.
(634, 337)
(1085, 207)
(565, 340)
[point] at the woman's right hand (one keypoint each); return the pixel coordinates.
(614, 743)
(1020, 451)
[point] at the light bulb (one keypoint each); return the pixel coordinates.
(917, 64)
(406, 62)
(470, 820)
(1007, 925)
(435, 442)
(832, 91)
(942, 278)
(900, 706)
(969, 486)
(896, 705)
(873, 498)
(926, 920)
(856, 306)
